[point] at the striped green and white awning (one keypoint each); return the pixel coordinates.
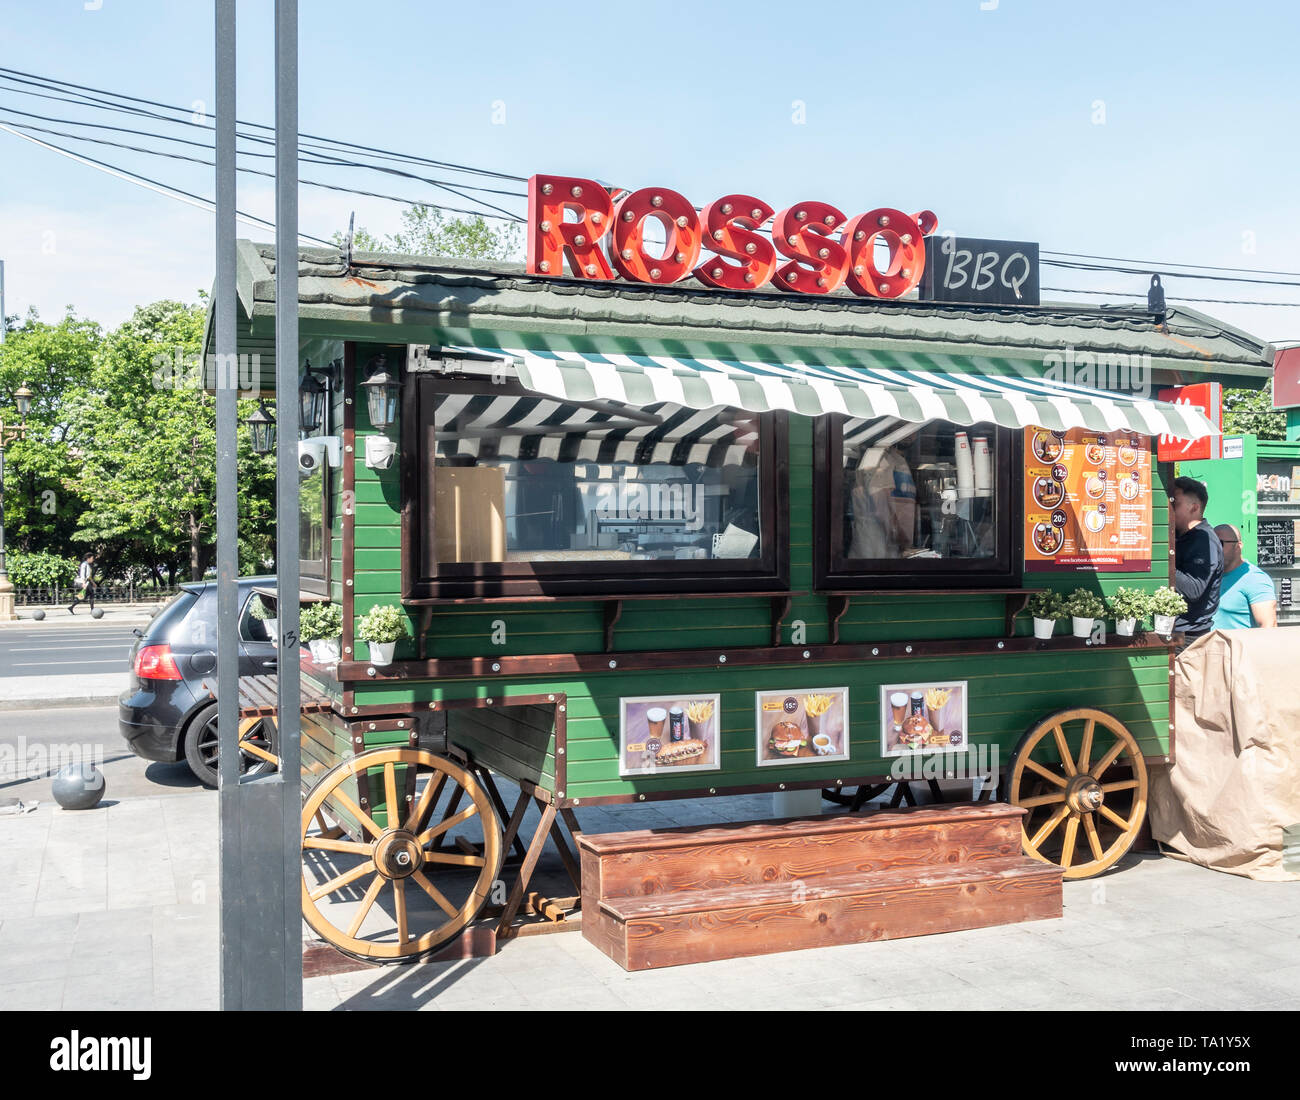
(916, 393)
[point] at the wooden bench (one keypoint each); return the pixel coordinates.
(654, 898)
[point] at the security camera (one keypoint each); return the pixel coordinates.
(380, 452)
(314, 453)
(311, 455)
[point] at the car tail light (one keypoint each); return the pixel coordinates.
(155, 662)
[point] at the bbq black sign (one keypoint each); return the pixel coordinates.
(978, 271)
(1276, 542)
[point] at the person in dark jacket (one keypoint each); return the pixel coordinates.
(84, 592)
(1198, 558)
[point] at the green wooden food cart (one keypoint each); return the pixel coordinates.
(665, 542)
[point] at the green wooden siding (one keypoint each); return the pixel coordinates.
(1007, 693)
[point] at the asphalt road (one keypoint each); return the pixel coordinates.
(46, 650)
(34, 743)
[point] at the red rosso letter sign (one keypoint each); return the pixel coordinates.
(550, 236)
(803, 231)
(681, 229)
(902, 235)
(820, 262)
(729, 223)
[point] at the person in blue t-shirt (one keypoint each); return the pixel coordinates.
(1246, 596)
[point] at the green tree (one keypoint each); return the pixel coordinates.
(56, 361)
(427, 231)
(149, 463)
(1251, 412)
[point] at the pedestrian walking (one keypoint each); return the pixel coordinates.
(85, 589)
(1246, 597)
(1198, 559)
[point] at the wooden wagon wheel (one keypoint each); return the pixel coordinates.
(1086, 804)
(350, 874)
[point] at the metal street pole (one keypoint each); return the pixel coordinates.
(286, 484)
(7, 613)
(233, 877)
(261, 914)
(2, 301)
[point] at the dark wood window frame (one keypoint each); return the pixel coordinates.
(768, 574)
(314, 573)
(832, 572)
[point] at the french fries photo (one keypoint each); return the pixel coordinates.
(816, 705)
(701, 711)
(935, 698)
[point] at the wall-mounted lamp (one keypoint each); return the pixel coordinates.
(261, 424)
(383, 389)
(313, 393)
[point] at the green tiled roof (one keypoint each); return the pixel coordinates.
(436, 300)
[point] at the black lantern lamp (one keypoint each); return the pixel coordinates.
(383, 389)
(312, 395)
(23, 399)
(262, 426)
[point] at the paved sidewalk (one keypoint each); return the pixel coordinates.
(117, 908)
(111, 908)
(1156, 935)
(118, 614)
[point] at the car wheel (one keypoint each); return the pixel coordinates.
(201, 748)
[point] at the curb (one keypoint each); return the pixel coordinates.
(46, 703)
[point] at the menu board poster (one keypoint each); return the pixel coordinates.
(1276, 542)
(801, 726)
(667, 734)
(923, 718)
(1087, 501)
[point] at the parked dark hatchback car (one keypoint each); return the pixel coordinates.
(167, 714)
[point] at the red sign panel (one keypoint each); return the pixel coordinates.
(1208, 397)
(1286, 378)
(578, 221)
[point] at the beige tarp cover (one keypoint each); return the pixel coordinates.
(1235, 783)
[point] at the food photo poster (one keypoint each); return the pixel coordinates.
(923, 718)
(662, 734)
(802, 726)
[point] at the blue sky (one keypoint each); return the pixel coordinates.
(1158, 131)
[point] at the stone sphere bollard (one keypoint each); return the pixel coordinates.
(78, 786)
(98, 613)
(38, 614)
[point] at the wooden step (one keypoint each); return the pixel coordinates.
(666, 861)
(641, 933)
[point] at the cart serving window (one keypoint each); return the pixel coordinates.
(525, 493)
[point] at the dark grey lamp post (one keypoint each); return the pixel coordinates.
(23, 399)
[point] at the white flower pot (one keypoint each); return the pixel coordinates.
(325, 651)
(1082, 627)
(273, 632)
(1044, 628)
(1125, 627)
(1164, 624)
(381, 653)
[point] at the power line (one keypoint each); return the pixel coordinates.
(187, 197)
(314, 157)
(323, 150)
(1074, 266)
(248, 171)
(389, 154)
(1180, 298)
(1153, 263)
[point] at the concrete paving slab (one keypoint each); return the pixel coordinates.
(44, 995)
(26, 932)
